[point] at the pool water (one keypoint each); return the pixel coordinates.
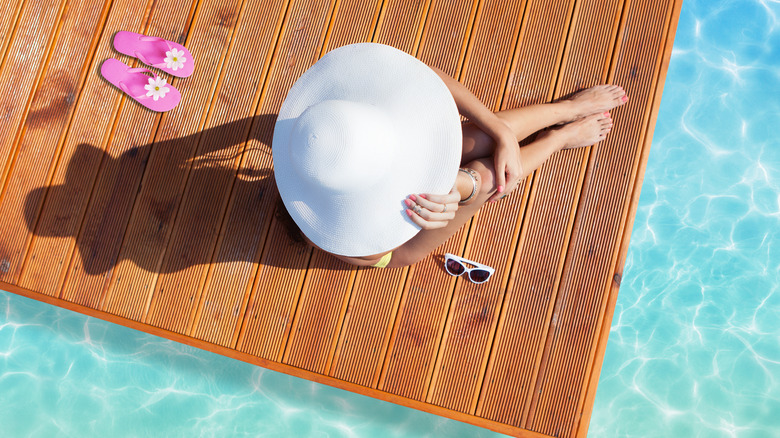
(694, 349)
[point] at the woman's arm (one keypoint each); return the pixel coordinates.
(509, 169)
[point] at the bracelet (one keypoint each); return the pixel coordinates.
(473, 174)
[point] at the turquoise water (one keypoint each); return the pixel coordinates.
(695, 344)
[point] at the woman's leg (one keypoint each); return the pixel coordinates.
(478, 150)
(533, 118)
(583, 132)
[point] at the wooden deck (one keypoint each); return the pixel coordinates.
(165, 223)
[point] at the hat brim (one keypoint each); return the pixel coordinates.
(426, 121)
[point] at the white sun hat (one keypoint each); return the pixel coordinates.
(362, 129)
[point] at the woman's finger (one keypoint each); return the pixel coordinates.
(511, 187)
(500, 174)
(431, 211)
(445, 204)
(423, 223)
(452, 197)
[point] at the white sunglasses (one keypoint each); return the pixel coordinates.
(456, 266)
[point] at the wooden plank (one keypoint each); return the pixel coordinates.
(9, 17)
(445, 37)
(321, 308)
(28, 51)
(401, 24)
(52, 249)
(81, 154)
(224, 316)
(553, 197)
(473, 316)
(102, 165)
(277, 286)
(134, 287)
(213, 174)
(229, 281)
(367, 325)
(422, 313)
(353, 21)
(375, 331)
(21, 71)
(580, 50)
(270, 315)
(274, 296)
(46, 125)
(591, 254)
(493, 235)
(588, 59)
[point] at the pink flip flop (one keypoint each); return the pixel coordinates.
(166, 55)
(150, 91)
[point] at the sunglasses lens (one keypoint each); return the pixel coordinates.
(479, 275)
(454, 267)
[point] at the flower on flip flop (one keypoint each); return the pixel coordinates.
(174, 59)
(156, 88)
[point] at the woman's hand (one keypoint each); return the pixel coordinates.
(507, 162)
(432, 211)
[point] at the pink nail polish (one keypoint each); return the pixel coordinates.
(409, 212)
(625, 98)
(500, 189)
(408, 202)
(606, 114)
(423, 196)
(412, 197)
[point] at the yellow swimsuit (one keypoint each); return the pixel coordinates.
(384, 261)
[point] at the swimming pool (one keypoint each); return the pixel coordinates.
(695, 343)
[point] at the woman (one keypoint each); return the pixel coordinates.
(491, 163)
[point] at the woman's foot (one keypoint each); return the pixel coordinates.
(596, 100)
(582, 132)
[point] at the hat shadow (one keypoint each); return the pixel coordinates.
(259, 184)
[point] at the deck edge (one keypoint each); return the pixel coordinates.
(274, 366)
